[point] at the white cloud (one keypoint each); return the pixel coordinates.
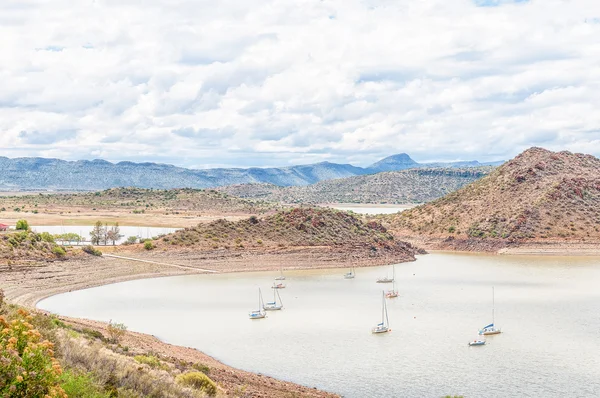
(200, 83)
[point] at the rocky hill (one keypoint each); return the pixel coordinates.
(397, 187)
(539, 195)
(328, 229)
(44, 174)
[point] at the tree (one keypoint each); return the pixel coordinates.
(97, 233)
(113, 234)
(22, 225)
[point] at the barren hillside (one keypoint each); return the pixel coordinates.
(539, 195)
(397, 187)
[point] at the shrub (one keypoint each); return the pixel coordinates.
(22, 225)
(452, 229)
(81, 386)
(148, 245)
(151, 361)
(199, 381)
(201, 368)
(131, 240)
(91, 250)
(116, 331)
(29, 368)
(59, 251)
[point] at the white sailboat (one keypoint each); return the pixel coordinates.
(280, 277)
(350, 275)
(260, 313)
(278, 286)
(274, 306)
(392, 293)
(386, 279)
(491, 328)
(384, 326)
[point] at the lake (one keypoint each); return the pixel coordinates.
(548, 308)
(371, 209)
(84, 231)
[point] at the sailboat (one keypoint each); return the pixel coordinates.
(280, 277)
(260, 313)
(386, 279)
(278, 286)
(384, 326)
(392, 293)
(491, 328)
(350, 275)
(273, 306)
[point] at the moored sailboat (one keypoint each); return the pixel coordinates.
(278, 286)
(350, 275)
(274, 306)
(386, 279)
(280, 277)
(259, 314)
(392, 293)
(491, 328)
(384, 326)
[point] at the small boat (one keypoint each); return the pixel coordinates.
(384, 326)
(476, 342)
(350, 275)
(491, 328)
(278, 286)
(274, 306)
(280, 277)
(260, 313)
(386, 279)
(392, 293)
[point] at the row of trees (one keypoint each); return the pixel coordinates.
(103, 234)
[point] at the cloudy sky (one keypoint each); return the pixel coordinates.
(202, 83)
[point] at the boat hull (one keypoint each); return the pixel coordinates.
(385, 280)
(476, 343)
(491, 332)
(274, 308)
(380, 330)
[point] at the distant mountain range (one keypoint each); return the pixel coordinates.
(43, 174)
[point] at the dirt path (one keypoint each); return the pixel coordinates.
(158, 263)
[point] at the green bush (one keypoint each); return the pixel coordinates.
(91, 250)
(201, 368)
(151, 361)
(199, 381)
(81, 386)
(148, 245)
(59, 251)
(22, 225)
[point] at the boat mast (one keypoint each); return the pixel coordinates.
(493, 305)
(280, 303)
(387, 321)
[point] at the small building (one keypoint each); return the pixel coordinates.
(4, 227)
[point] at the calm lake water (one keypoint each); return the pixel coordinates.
(371, 209)
(548, 307)
(84, 231)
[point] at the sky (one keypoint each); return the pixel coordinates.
(200, 83)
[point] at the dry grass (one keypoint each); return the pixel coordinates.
(121, 373)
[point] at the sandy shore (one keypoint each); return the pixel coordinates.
(506, 247)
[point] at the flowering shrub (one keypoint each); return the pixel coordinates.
(28, 368)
